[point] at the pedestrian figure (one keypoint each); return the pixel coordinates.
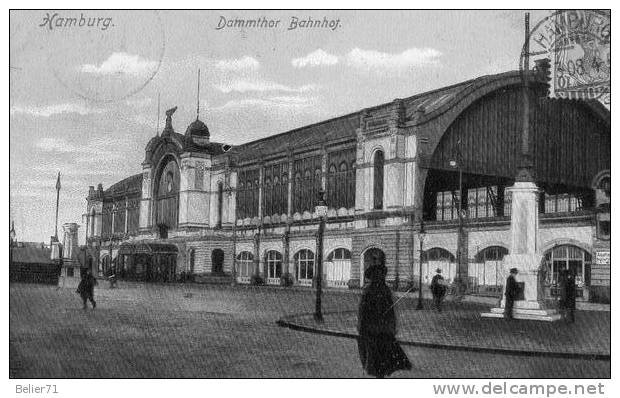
(112, 277)
(512, 292)
(380, 353)
(568, 293)
(438, 288)
(86, 289)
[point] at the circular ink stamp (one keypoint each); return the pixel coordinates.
(578, 46)
(104, 55)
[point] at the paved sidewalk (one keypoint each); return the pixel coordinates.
(460, 326)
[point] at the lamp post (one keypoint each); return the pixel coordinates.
(456, 163)
(321, 211)
(421, 235)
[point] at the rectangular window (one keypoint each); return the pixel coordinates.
(562, 203)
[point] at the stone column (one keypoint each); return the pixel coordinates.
(145, 201)
(70, 239)
(256, 272)
(524, 255)
(286, 243)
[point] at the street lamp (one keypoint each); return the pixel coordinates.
(421, 235)
(321, 211)
(456, 163)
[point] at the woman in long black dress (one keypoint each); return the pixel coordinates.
(380, 353)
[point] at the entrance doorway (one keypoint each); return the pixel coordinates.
(574, 259)
(373, 256)
(217, 261)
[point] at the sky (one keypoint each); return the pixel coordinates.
(84, 85)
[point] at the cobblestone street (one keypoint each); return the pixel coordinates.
(199, 331)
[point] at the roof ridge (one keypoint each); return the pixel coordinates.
(350, 114)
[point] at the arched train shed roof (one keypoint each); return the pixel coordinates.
(441, 107)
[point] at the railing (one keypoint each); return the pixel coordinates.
(273, 281)
(243, 279)
(305, 282)
(338, 283)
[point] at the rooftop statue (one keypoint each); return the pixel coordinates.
(169, 114)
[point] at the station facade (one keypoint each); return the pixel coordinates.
(207, 211)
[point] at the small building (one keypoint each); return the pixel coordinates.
(31, 263)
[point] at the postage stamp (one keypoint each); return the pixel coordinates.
(578, 44)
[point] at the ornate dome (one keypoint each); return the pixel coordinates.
(198, 129)
(198, 133)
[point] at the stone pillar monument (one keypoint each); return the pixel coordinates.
(525, 256)
(70, 263)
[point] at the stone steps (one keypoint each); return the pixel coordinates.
(524, 313)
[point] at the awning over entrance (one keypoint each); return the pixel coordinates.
(147, 248)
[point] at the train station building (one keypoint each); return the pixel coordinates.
(442, 162)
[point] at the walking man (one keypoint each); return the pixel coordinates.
(86, 289)
(438, 288)
(512, 291)
(568, 293)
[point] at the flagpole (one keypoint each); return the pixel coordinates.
(158, 101)
(57, 201)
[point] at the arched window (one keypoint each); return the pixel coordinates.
(308, 191)
(297, 192)
(245, 266)
(304, 265)
(248, 200)
(167, 195)
(338, 268)
(438, 254)
(435, 258)
(332, 188)
(379, 161)
(273, 261)
(572, 258)
(487, 267)
(339, 254)
(491, 253)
